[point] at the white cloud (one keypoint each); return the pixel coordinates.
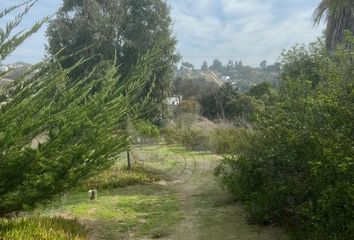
(247, 30)
(251, 30)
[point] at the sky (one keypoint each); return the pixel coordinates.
(247, 30)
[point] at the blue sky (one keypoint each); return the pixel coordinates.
(247, 30)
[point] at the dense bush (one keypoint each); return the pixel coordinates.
(298, 169)
(243, 107)
(195, 139)
(171, 135)
(188, 106)
(229, 140)
(147, 129)
(145, 132)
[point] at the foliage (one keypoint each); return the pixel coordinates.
(171, 135)
(259, 90)
(265, 92)
(229, 140)
(243, 107)
(147, 130)
(187, 65)
(118, 176)
(216, 66)
(188, 106)
(9, 40)
(227, 103)
(214, 105)
(204, 66)
(339, 17)
(195, 139)
(304, 63)
(263, 65)
(41, 228)
(194, 88)
(298, 167)
(95, 30)
(56, 131)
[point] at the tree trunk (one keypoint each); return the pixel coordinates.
(129, 160)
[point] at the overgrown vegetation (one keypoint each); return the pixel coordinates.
(286, 130)
(41, 157)
(57, 130)
(200, 134)
(119, 176)
(297, 169)
(41, 228)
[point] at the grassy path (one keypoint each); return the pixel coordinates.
(209, 211)
(186, 204)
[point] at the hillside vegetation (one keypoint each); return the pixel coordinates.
(226, 151)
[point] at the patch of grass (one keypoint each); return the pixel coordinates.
(119, 176)
(158, 159)
(41, 228)
(140, 210)
(219, 210)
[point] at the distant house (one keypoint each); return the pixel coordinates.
(225, 78)
(174, 101)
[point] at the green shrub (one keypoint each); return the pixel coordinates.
(171, 135)
(41, 228)
(298, 168)
(146, 132)
(119, 176)
(229, 140)
(188, 106)
(147, 129)
(196, 139)
(243, 106)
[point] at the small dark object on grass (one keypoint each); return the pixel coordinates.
(92, 194)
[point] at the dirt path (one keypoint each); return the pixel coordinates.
(209, 211)
(187, 204)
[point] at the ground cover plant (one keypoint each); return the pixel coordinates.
(41, 228)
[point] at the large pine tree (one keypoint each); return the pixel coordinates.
(56, 130)
(121, 30)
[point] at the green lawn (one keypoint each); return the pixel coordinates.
(134, 212)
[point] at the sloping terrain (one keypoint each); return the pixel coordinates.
(186, 204)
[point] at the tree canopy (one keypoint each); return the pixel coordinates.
(117, 30)
(57, 130)
(339, 17)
